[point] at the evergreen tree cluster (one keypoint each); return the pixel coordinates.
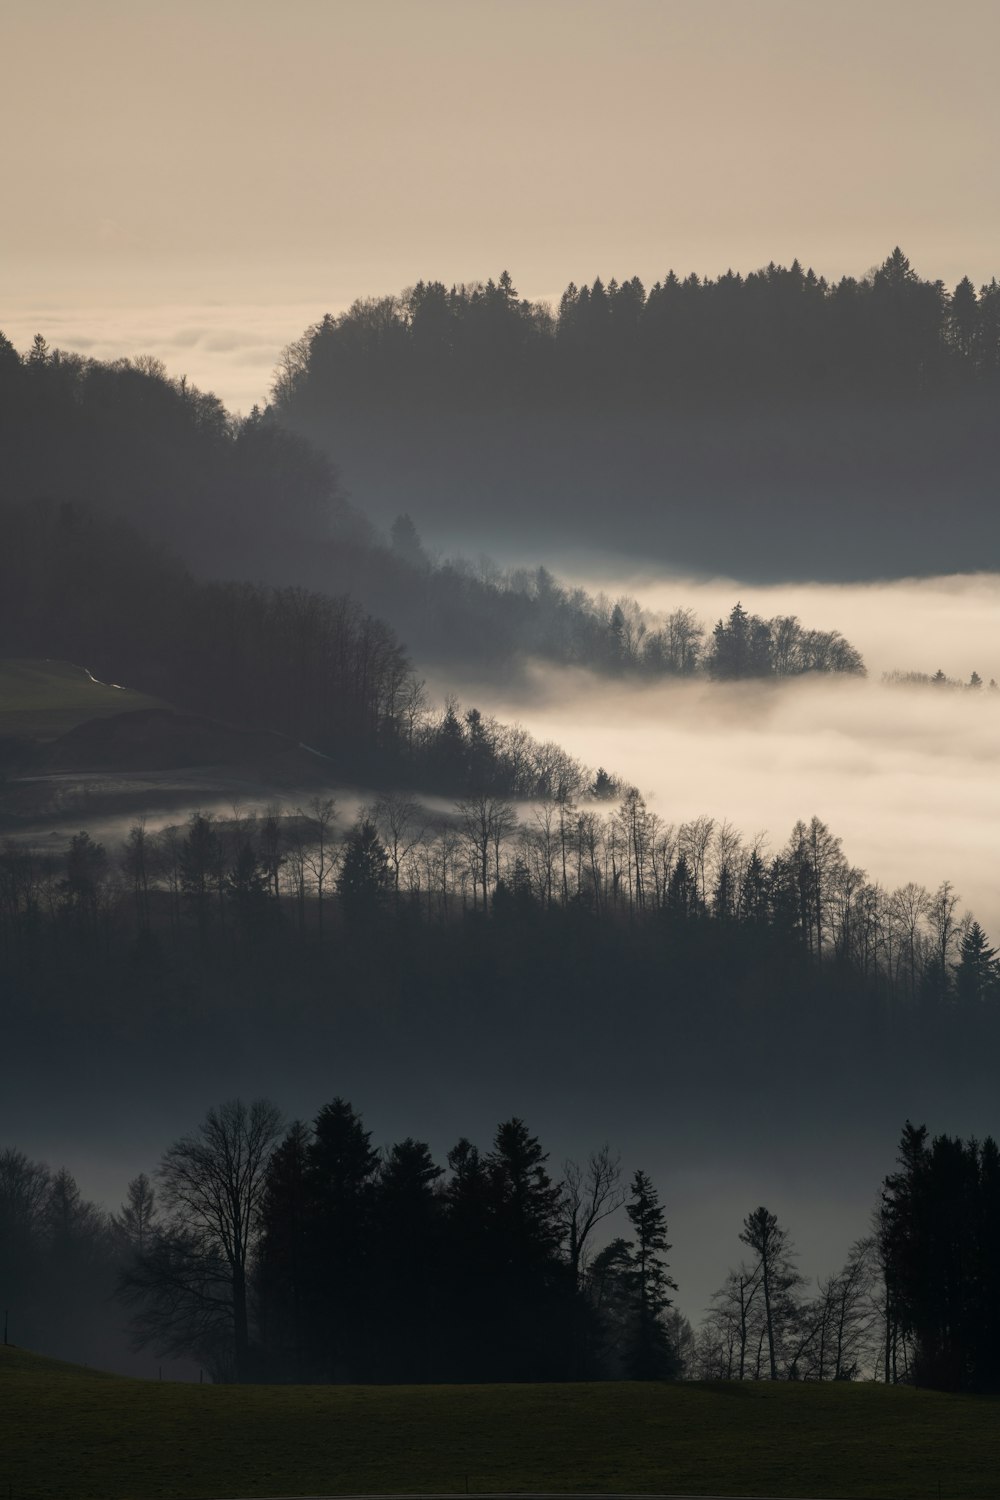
(939, 1239)
(363, 1265)
(774, 425)
(776, 331)
(747, 646)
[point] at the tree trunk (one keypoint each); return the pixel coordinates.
(769, 1321)
(241, 1335)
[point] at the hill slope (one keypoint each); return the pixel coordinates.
(40, 700)
(66, 1434)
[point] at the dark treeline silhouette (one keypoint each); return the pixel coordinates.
(936, 679)
(691, 340)
(307, 1255)
(939, 1240)
(311, 1256)
(773, 424)
(337, 1262)
(409, 884)
(244, 497)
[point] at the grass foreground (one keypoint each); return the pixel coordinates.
(71, 1432)
(40, 700)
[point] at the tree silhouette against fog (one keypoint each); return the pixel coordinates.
(191, 1286)
(771, 1247)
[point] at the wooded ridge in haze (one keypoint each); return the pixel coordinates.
(243, 498)
(772, 425)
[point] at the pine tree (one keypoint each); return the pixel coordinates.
(649, 1355)
(286, 1224)
(364, 879)
(407, 1253)
(200, 869)
(532, 1288)
(136, 1220)
(248, 888)
(406, 543)
(977, 976)
(340, 1173)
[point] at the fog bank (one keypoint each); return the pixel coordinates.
(905, 775)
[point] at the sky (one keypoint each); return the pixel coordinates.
(201, 179)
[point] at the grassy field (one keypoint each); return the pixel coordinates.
(39, 700)
(66, 1432)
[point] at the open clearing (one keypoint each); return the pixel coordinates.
(68, 1432)
(40, 700)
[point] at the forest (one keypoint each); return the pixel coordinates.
(773, 425)
(778, 331)
(91, 450)
(285, 878)
(303, 1253)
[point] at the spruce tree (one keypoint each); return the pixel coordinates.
(341, 1170)
(649, 1356)
(363, 883)
(977, 977)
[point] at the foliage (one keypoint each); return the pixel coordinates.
(245, 498)
(940, 1243)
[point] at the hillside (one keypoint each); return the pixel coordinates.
(73, 747)
(41, 700)
(160, 740)
(62, 1437)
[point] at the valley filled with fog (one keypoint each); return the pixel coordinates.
(905, 774)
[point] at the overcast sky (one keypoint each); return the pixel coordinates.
(200, 178)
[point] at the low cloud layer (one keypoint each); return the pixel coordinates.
(229, 348)
(905, 775)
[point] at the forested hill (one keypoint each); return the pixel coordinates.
(776, 422)
(316, 667)
(245, 498)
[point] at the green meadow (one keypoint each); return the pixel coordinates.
(40, 700)
(69, 1432)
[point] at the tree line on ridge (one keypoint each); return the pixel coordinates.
(304, 1254)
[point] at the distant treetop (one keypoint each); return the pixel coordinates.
(777, 329)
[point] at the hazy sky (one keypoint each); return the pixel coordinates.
(200, 178)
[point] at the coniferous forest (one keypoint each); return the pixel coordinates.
(774, 424)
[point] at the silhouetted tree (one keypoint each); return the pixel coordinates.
(191, 1285)
(977, 977)
(363, 882)
(649, 1355)
(778, 1279)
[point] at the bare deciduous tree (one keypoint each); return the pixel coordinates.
(590, 1193)
(193, 1280)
